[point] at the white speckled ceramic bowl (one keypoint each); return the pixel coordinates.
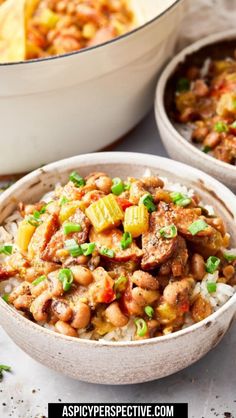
(124, 362)
(176, 145)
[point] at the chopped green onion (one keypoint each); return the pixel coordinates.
(6, 249)
(197, 226)
(4, 368)
(39, 280)
(183, 84)
(77, 179)
(36, 214)
(233, 125)
(5, 297)
(212, 264)
(120, 284)
(44, 208)
(117, 186)
(206, 149)
(147, 200)
(63, 201)
(141, 327)
(180, 199)
(169, 231)
(221, 127)
(126, 240)
(73, 247)
(127, 185)
(211, 287)
(107, 252)
(70, 227)
(66, 277)
(34, 220)
(88, 248)
(229, 256)
(149, 311)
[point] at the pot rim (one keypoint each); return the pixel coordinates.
(139, 159)
(159, 106)
(85, 50)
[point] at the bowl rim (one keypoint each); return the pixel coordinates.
(159, 106)
(91, 48)
(119, 158)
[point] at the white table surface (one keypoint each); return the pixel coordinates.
(209, 386)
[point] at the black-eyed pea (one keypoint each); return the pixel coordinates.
(65, 329)
(153, 326)
(212, 140)
(104, 184)
(30, 274)
(82, 275)
(179, 291)
(82, 260)
(144, 280)
(55, 286)
(82, 315)
(198, 269)
(62, 310)
(40, 306)
(134, 308)
(39, 288)
(115, 316)
(152, 182)
(144, 297)
(228, 272)
(22, 289)
(23, 302)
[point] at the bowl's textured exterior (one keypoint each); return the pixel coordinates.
(176, 145)
(124, 362)
(81, 102)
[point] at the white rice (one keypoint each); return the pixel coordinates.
(127, 333)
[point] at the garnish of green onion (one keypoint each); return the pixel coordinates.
(233, 125)
(147, 200)
(4, 368)
(212, 264)
(149, 311)
(6, 249)
(211, 287)
(183, 84)
(206, 149)
(107, 252)
(141, 327)
(77, 179)
(120, 285)
(197, 226)
(126, 240)
(221, 127)
(70, 227)
(117, 186)
(66, 278)
(5, 297)
(127, 186)
(34, 219)
(39, 280)
(63, 201)
(169, 231)
(88, 248)
(229, 256)
(73, 247)
(180, 199)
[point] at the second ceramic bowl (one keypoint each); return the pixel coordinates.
(216, 46)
